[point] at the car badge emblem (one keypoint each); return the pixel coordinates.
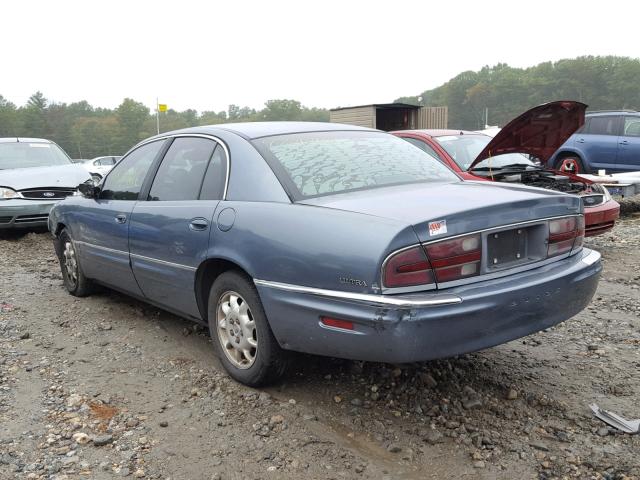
(49, 194)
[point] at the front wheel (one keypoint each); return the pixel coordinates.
(74, 280)
(241, 334)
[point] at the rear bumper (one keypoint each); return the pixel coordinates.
(468, 318)
(601, 219)
(24, 213)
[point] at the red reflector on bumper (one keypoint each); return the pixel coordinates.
(337, 323)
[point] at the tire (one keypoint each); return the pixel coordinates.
(96, 178)
(74, 280)
(571, 164)
(240, 332)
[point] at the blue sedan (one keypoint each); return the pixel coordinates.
(327, 239)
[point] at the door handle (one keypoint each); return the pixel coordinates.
(580, 140)
(121, 218)
(198, 224)
(624, 142)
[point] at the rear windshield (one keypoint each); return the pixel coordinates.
(31, 154)
(324, 163)
(465, 148)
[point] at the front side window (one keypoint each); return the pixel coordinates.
(124, 182)
(324, 163)
(605, 125)
(632, 126)
(31, 154)
(182, 170)
(465, 148)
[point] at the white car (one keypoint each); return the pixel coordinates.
(98, 167)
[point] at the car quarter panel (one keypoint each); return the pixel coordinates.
(306, 245)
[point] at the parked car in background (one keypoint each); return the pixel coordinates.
(34, 174)
(536, 133)
(325, 238)
(98, 167)
(609, 140)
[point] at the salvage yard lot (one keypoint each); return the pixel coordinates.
(107, 387)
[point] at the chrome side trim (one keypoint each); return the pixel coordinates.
(163, 262)
(100, 247)
(376, 300)
(141, 257)
(218, 140)
(591, 257)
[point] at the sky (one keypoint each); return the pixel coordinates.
(209, 54)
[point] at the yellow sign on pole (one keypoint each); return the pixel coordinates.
(162, 107)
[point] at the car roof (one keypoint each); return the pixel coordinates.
(24, 139)
(442, 132)
(251, 130)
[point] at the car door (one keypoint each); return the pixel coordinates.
(104, 223)
(629, 145)
(169, 231)
(599, 141)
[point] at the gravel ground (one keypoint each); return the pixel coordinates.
(106, 387)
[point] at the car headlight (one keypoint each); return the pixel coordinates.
(7, 193)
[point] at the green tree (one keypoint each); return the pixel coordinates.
(132, 117)
(9, 121)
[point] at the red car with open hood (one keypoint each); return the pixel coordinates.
(518, 154)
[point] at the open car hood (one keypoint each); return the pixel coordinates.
(538, 132)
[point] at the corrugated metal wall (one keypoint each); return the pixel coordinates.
(360, 116)
(432, 117)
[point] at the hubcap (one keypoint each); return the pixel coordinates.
(570, 165)
(237, 330)
(70, 263)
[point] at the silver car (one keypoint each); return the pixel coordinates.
(34, 174)
(98, 167)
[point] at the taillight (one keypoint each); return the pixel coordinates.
(565, 234)
(577, 245)
(455, 259)
(408, 268)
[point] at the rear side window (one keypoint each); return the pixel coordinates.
(605, 125)
(324, 163)
(125, 181)
(632, 126)
(182, 170)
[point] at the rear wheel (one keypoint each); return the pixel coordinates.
(74, 280)
(241, 334)
(571, 164)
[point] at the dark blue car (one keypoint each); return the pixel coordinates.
(608, 140)
(327, 239)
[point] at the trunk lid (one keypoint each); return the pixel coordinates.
(538, 132)
(438, 211)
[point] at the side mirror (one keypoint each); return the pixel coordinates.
(89, 190)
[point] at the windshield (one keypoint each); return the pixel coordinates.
(323, 163)
(465, 148)
(27, 155)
